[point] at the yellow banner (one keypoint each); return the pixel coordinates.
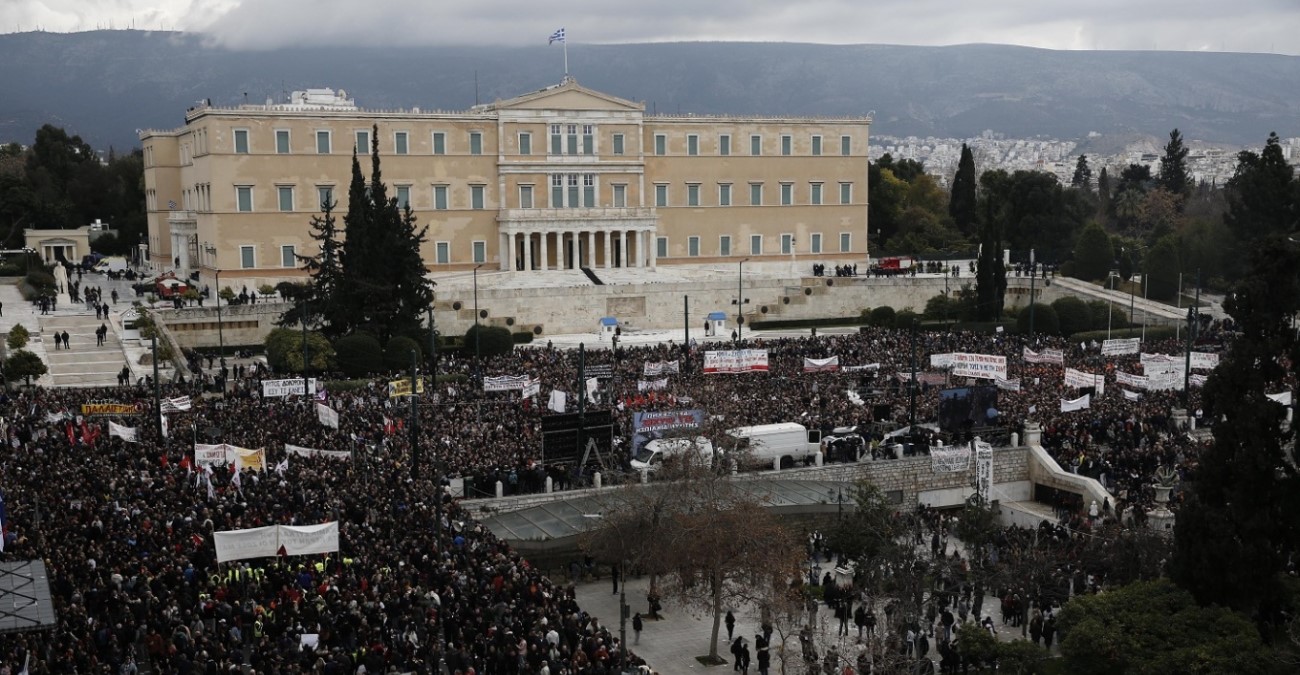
(94, 409)
(403, 387)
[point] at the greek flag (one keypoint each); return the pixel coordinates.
(557, 36)
(171, 204)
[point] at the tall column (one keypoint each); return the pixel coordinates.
(503, 247)
(640, 248)
(514, 250)
(545, 235)
(591, 248)
(622, 248)
(654, 248)
(528, 252)
(609, 248)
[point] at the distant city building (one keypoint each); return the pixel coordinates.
(559, 178)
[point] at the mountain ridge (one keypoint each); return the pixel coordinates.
(104, 85)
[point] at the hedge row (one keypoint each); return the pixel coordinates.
(810, 323)
(1153, 333)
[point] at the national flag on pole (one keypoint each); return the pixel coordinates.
(557, 36)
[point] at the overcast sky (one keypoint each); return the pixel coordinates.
(1194, 25)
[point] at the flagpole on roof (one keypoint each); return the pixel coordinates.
(565, 41)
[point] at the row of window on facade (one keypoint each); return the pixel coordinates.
(478, 249)
(564, 140)
(567, 191)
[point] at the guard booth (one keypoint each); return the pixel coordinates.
(715, 324)
(608, 328)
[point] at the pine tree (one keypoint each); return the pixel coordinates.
(962, 204)
(1263, 195)
(1082, 179)
(319, 302)
(1173, 174)
(1233, 534)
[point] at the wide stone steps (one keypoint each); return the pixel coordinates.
(84, 363)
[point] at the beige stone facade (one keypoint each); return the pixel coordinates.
(557, 179)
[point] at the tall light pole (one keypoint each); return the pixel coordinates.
(1032, 276)
(476, 328)
(1110, 301)
(221, 337)
(740, 300)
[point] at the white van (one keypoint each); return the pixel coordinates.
(117, 264)
(775, 446)
(654, 453)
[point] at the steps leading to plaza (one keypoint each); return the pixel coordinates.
(84, 364)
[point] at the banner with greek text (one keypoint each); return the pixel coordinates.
(312, 452)
(941, 361)
(649, 425)
(505, 382)
(855, 369)
(1204, 361)
(282, 388)
(652, 385)
(250, 460)
(1079, 379)
(1055, 356)
(178, 404)
(257, 542)
(736, 361)
(402, 387)
(309, 539)
(1129, 380)
(1007, 385)
(104, 409)
(209, 455)
(979, 365)
(1120, 346)
(127, 434)
(830, 364)
(653, 368)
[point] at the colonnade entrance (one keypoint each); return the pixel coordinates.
(574, 249)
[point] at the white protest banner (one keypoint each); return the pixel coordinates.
(125, 433)
(1129, 380)
(258, 542)
(282, 388)
(653, 368)
(1147, 359)
(309, 539)
(1046, 356)
(327, 416)
(178, 404)
(950, 459)
(1132, 395)
(821, 365)
(855, 369)
(1165, 380)
(505, 382)
(1007, 385)
(1198, 380)
(312, 452)
(1079, 380)
(979, 365)
(1120, 346)
(559, 401)
(209, 455)
(941, 361)
(533, 388)
(1080, 403)
(1204, 361)
(736, 361)
(1284, 397)
(651, 385)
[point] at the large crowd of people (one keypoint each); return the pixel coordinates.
(126, 527)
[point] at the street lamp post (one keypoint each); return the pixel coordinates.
(1110, 301)
(740, 300)
(476, 328)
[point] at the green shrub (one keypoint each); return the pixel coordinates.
(284, 351)
(1072, 315)
(985, 326)
(811, 323)
(18, 337)
(883, 317)
(522, 337)
(1107, 315)
(904, 318)
(358, 355)
(1045, 320)
(1093, 255)
(492, 340)
(397, 354)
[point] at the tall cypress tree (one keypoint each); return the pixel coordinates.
(990, 270)
(1082, 178)
(1173, 174)
(961, 204)
(352, 295)
(1103, 193)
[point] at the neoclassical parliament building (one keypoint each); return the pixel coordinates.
(561, 178)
